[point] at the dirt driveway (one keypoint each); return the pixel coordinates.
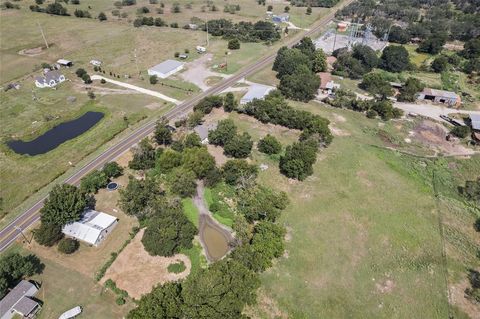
(198, 71)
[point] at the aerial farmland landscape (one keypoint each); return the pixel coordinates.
(239, 159)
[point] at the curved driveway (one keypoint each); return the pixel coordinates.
(31, 215)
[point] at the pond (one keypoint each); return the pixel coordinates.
(215, 242)
(57, 135)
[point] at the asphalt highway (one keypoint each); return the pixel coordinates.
(26, 219)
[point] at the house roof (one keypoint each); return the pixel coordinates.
(18, 299)
(52, 75)
(90, 227)
(256, 91)
(202, 130)
(440, 93)
(325, 78)
(166, 66)
(475, 118)
(25, 306)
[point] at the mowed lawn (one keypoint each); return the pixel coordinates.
(362, 233)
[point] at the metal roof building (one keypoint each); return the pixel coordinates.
(256, 91)
(19, 302)
(202, 131)
(92, 228)
(165, 69)
(475, 118)
(440, 96)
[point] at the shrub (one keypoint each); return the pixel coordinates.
(153, 79)
(269, 145)
(371, 114)
(460, 131)
(68, 246)
(233, 44)
(120, 301)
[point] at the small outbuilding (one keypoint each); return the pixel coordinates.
(49, 79)
(92, 228)
(201, 49)
(475, 123)
(19, 302)
(95, 62)
(202, 131)
(256, 91)
(281, 18)
(166, 68)
(440, 96)
(326, 83)
(65, 63)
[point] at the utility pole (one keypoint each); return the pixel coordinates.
(335, 39)
(136, 63)
(43, 35)
(21, 232)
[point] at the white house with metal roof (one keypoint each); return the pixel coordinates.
(256, 91)
(19, 301)
(92, 228)
(165, 69)
(49, 79)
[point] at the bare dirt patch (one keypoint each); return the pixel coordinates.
(433, 135)
(385, 286)
(267, 307)
(137, 272)
(363, 178)
(457, 297)
(217, 153)
(32, 51)
(337, 131)
(123, 159)
(339, 118)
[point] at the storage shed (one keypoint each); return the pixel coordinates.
(165, 69)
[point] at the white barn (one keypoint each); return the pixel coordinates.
(93, 228)
(165, 69)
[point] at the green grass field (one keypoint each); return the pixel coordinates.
(363, 234)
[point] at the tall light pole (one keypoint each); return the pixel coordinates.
(43, 35)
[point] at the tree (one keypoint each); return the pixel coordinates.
(80, 72)
(14, 267)
(440, 64)
(112, 170)
(86, 79)
(306, 46)
(153, 79)
(65, 204)
(239, 146)
(93, 181)
(168, 160)
(195, 118)
(225, 131)
(213, 177)
(221, 291)
(395, 59)
(288, 60)
(229, 102)
(398, 35)
(269, 145)
(163, 135)
(261, 203)
(56, 8)
(471, 190)
(138, 195)
(286, 9)
(433, 44)
(234, 44)
(309, 10)
(461, 131)
(167, 234)
(238, 171)
(301, 85)
(319, 61)
(164, 302)
(182, 182)
(192, 140)
(199, 161)
(377, 85)
(298, 160)
(48, 234)
(366, 55)
(385, 109)
(410, 89)
(471, 49)
(143, 156)
(102, 16)
(207, 104)
(68, 246)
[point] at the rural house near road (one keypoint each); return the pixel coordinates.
(165, 69)
(256, 91)
(93, 228)
(50, 79)
(19, 302)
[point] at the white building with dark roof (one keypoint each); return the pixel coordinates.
(256, 91)
(19, 301)
(165, 69)
(49, 79)
(92, 228)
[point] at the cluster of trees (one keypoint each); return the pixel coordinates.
(264, 31)
(65, 204)
(473, 292)
(296, 68)
(82, 13)
(150, 21)
(82, 73)
(314, 3)
(97, 179)
(15, 267)
(55, 8)
(471, 190)
(234, 144)
(372, 108)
